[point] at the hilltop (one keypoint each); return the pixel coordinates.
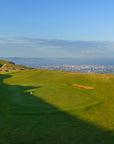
(6, 66)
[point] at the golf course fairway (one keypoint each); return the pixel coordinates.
(56, 107)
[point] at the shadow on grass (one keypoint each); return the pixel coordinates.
(31, 126)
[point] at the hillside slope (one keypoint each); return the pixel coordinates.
(60, 110)
(6, 66)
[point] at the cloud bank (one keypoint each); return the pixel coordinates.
(36, 47)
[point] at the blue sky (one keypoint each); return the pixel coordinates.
(59, 25)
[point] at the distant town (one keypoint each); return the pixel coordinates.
(79, 68)
(67, 64)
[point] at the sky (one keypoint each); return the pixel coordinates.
(57, 28)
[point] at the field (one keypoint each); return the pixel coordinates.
(56, 112)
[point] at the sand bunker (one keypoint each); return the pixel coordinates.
(82, 86)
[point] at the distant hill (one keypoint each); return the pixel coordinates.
(35, 62)
(6, 66)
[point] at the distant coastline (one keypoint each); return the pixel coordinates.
(67, 64)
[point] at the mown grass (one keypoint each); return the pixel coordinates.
(56, 113)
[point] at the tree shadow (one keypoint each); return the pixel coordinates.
(42, 123)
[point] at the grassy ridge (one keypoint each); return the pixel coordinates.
(56, 112)
(6, 66)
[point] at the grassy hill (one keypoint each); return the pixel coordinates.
(6, 66)
(60, 110)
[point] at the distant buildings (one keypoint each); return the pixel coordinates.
(81, 68)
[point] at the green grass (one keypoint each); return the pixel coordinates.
(56, 112)
(10, 66)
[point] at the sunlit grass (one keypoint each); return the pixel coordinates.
(56, 109)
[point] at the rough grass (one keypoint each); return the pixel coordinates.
(6, 66)
(56, 112)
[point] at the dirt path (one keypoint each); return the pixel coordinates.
(3, 66)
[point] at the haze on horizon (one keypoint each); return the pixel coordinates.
(57, 28)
